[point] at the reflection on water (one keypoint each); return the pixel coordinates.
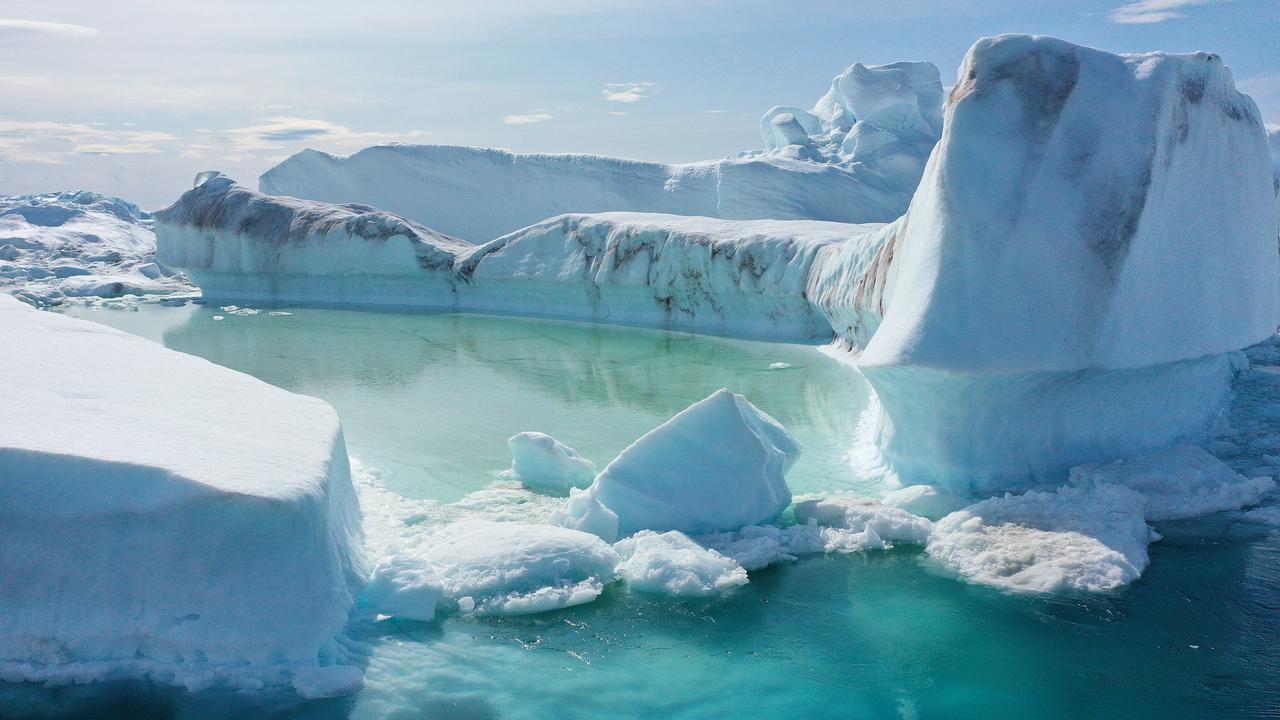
(430, 399)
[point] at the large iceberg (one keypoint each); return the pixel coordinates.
(855, 157)
(57, 246)
(745, 278)
(1092, 233)
(216, 545)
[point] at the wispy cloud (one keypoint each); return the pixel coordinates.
(45, 141)
(715, 112)
(618, 112)
(10, 27)
(629, 92)
(24, 80)
(281, 132)
(536, 116)
(1145, 12)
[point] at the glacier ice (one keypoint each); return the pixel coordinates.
(928, 501)
(57, 246)
(717, 465)
(405, 587)
(541, 462)
(219, 545)
(673, 564)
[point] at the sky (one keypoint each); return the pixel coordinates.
(133, 98)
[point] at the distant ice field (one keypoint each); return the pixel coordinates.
(428, 402)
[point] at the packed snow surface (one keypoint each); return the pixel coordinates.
(717, 465)
(541, 462)
(57, 246)
(218, 545)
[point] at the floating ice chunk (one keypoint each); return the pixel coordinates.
(671, 563)
(864, 523)
(925, 500)
(717, 465)
(404, 587)
(779, 366)
(757, 546)
(1091, 539)
(1177, 483)
(543, 463)
(511, 568)
(279, 313)
(1269, 515)
(585, 512)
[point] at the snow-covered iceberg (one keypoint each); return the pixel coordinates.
(855, 157)
(541, 462)
(1092, 233)
(203, 523)
(717, 465)
(56, 246)
(745, 278)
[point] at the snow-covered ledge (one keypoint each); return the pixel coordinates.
(167, 518)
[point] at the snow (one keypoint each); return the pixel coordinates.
(541, 462)
(56, 246)
(1177, 483)
(856, 158)
(404, 587)
(927, 501)
(1075, 539)
(215, 546)
(717, 465)
(864, 523)
(515, 568)
(673, 564)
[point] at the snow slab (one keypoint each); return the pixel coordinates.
(541, 462)
(717, 465)
(206, 528)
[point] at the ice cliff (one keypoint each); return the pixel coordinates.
(215, 546)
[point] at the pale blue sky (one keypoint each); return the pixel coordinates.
(133, 98)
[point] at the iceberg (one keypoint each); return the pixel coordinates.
(59, 246)
(1092, 234)
(541, 462)
(216, 546)
(717, 276)
(717, 465)
(856, 158)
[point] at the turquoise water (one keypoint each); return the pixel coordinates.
(429, 400)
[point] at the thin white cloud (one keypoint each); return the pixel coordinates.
(618, 112)
(527, 118)
(24, 80)
(286, 133)
(45, 141)
(715, 112)
(11, 26)
(629, 92)
(1145, 12)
